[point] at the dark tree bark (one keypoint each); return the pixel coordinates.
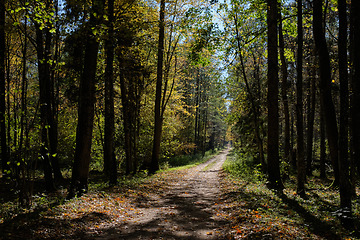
(47, 112)
(80, 172)
(3, 144)
(272, 98)
(355, 84)
(45, 103)
(129, 99)
(344, 170)
(154, 166)
(325, 86)
(310, 120)
(322, 145)
(25, 192)
(301, 169)
(110, 166)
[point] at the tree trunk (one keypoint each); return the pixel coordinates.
(110, 167)
(3, 144)
(80, 172)
(284, 89)
(129, 122)
(355, 84)
(154, 166)
(197, 112)
(301, 169)
(310, 121)
(45, 105)
(322, 145)
(49, 137)
(325, 86)
(344, 170)
(273, 91)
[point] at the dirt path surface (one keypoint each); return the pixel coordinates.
(186, 210)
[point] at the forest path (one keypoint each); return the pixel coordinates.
(188, 209)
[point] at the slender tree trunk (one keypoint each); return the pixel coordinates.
(23, 90)
(51, 112)
(301, 169)
(3, 144)
(25, 191)
(109, 154)
(344, 166)
(325, 86)
(45, 108)
(273, 91)
(80, 172)
(54, 97)
(154, 166)
(129, 122)
(310, 121)
(197, 112)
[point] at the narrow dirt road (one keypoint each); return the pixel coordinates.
(188, 210)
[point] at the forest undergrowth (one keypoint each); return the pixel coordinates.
(259, 213)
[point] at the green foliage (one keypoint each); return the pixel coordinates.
(186, 161)
(242, 165)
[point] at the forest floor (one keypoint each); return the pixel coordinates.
(201, 202)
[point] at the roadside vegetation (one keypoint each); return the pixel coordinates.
(259, 213)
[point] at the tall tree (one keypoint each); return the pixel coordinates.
(299, 105)
(326, 100)
(355, 84)
(47, 111)
(3, 143)
(311, 104)
(344, 166)
(273, 91)
(284, 91)
(80, 172)
(109, 153)
(154, 166)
